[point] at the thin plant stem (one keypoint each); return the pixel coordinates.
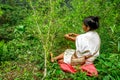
(44, 46)
(47, 45)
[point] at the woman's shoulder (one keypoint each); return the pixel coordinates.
(91, 34)
(81, 37)
(87, 35)
(84, 35)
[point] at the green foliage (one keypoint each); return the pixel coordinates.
(31, 29)
(12, 14)
(1, 12)
(5, 52)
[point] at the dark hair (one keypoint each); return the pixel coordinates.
(92, 22)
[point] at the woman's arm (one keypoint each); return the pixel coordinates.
(78, 61)
(71, 36)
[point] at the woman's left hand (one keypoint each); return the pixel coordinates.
(78, 61)
(71, 36)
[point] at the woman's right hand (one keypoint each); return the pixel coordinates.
(68, 36)
(71, 36)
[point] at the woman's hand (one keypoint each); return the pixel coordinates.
(78, 61)
(71, 36)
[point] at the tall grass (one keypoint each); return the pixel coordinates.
(46, 30)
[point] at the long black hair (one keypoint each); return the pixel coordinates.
(92, 22)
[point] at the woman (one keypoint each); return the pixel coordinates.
(87, 44)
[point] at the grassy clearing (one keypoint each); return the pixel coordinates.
(30, 30)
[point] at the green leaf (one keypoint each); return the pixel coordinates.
(1, 43)
(5, 50)
(118, 46)
(58, 71)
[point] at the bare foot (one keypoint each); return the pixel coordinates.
(51, 56)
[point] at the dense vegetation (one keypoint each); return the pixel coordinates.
(30, 30)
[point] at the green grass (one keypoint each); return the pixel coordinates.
(107, 66)
(28, 34)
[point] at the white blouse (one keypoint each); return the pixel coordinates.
(88, 43)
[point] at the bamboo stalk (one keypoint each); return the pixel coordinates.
(44, 46)
(47, 45)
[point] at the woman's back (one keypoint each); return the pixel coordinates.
(88, 43)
